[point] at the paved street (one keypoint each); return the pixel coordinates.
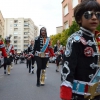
(21, 85)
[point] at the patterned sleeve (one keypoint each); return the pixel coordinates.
(35, 45)
(70, 61)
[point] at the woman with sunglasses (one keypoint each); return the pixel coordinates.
(80, 72)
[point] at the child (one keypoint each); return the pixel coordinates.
(82, 54)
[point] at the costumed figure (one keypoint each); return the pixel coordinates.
(10, 53)
(30, 57)
(26, 55)
(42, 48)
(80, 72)
(22, 57)
(3, 53)
(58, 50)
(16, 57)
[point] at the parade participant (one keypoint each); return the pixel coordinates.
(16, 57)
(82, 55)
(10, 53)
(42, 48)
(58, 50)
(30, 57)
(4, 54)
(26, 55)
(22, 57)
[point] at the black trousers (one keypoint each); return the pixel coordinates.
(7, 61)
(41, 64)
(58, 59)
(30, 62)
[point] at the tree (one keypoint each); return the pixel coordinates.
(98, 28)
(73, 28)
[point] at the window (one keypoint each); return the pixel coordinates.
(25, 45)
(15, 37)
(15, 45)
(75, 3)
(25, 33)
(65, 10)
(66, 25)
(25, 37)
(15, 41)
(15, 21)
(15, 32)
(15, 25)
(26, 24)
(26, 41)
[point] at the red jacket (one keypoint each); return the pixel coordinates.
(50, 50)
(2, 48)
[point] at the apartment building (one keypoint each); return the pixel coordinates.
(59, 29)
(1, 25)
(67, 11)
(23, 30)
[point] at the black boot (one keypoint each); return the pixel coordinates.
(38, 83)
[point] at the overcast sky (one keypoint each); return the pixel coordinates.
(43, 12)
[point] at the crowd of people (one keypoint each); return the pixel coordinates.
(80, 74)
(39, 51)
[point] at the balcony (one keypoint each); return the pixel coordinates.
(15, 37)
(26, 30)
(25, 33)
(26, 25)
(15, 25)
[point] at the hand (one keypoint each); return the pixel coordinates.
(29, 58)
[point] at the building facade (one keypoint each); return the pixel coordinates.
(59, 29)
(23, 30)
(1, 25)
(67, 11)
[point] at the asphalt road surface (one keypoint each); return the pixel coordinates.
(21, 85)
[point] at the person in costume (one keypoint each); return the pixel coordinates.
(10, 53)
(4, 54)
(30, 57)
(16, 57)
(42, 48)
(58, 50)
(80, 72)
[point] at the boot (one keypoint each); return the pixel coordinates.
(47, 65)
(57, 69)
(38, 83)
(9, 66)
(4, 71)
(42, 80)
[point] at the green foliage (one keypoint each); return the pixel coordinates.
(3, 40)
(98, 28)
(65, 34)
(73, 28)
